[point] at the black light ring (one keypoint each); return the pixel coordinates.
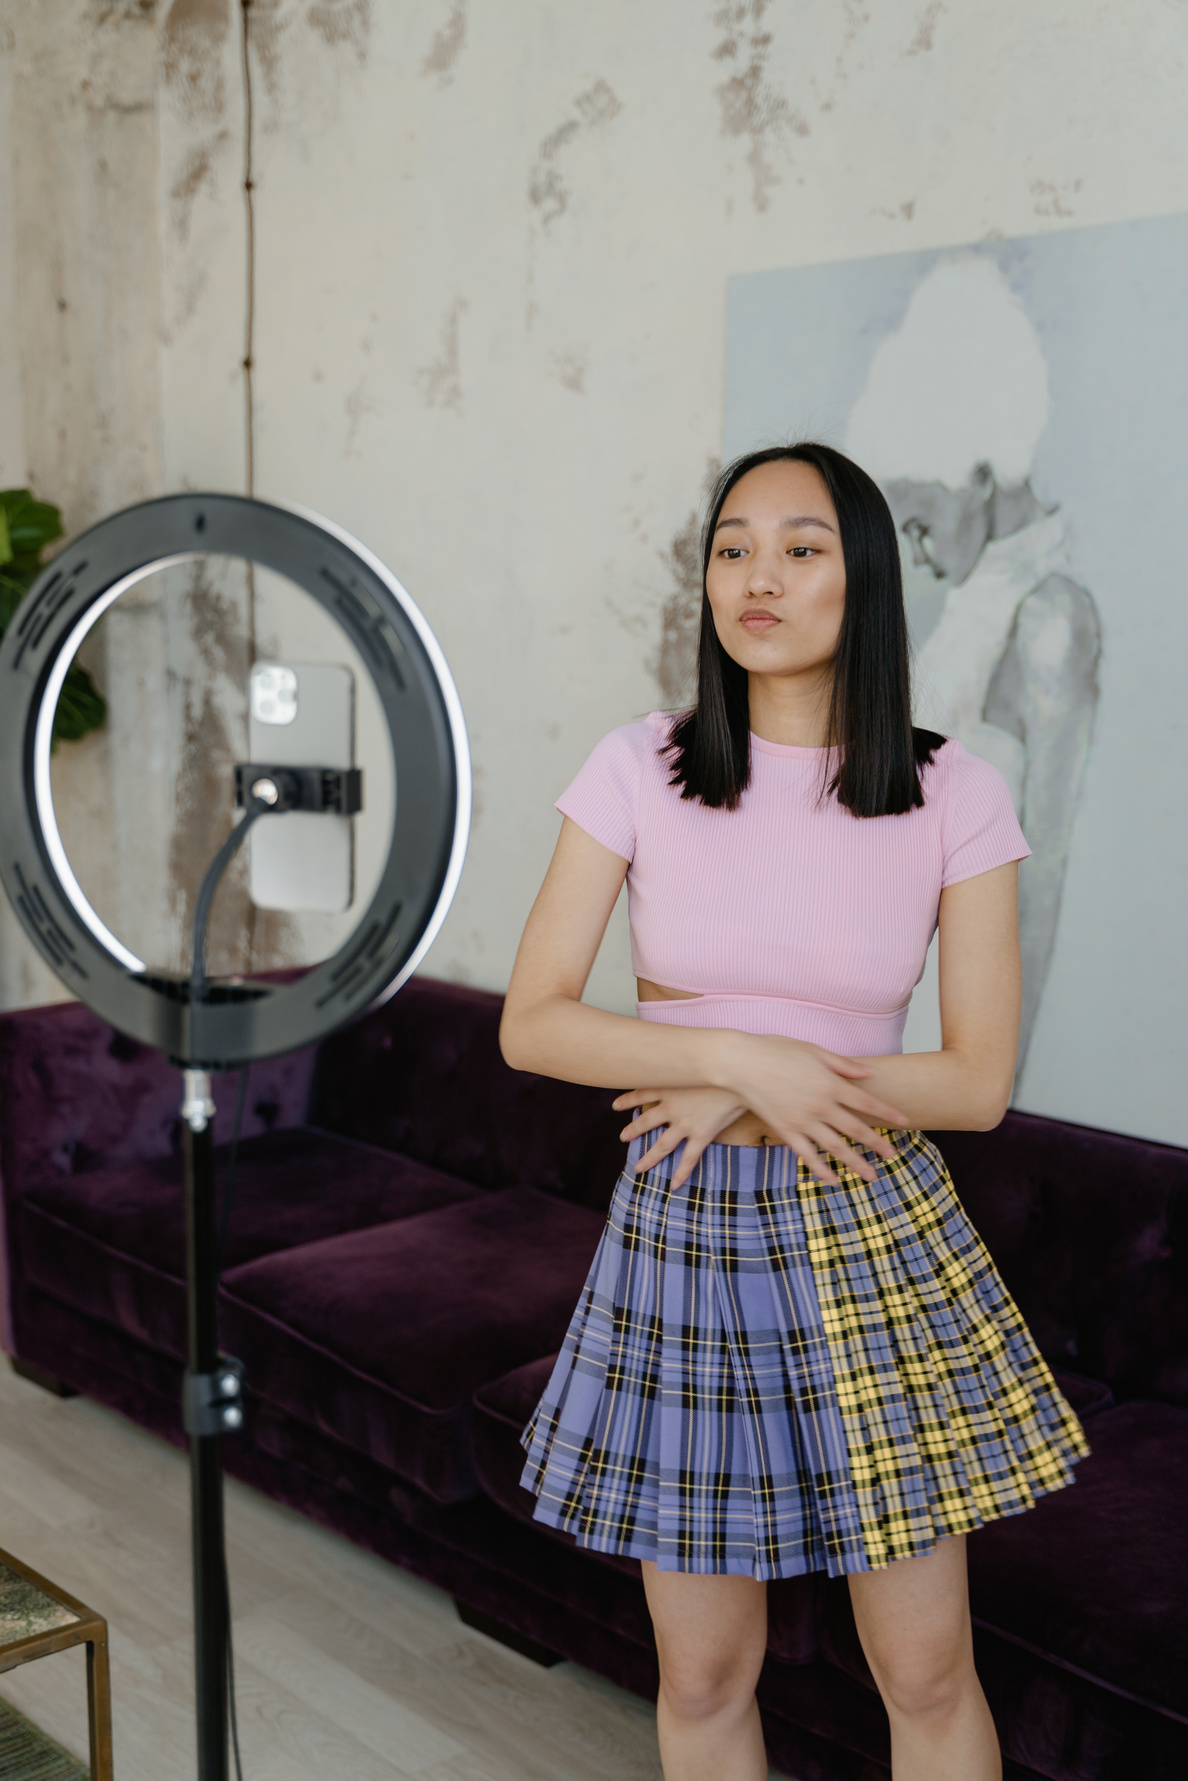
(423, 714)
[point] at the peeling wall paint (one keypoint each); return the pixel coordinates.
(192, 37)
(343, 22)
(752, 106)
(448, 44)
(440, 380)
(548, 192)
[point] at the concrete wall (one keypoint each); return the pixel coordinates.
(489, 282)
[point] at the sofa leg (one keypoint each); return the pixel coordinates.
(24, 1369)
(506, 1635)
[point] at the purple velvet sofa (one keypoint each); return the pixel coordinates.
(411, 1228)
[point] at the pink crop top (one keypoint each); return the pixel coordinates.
(787, 915)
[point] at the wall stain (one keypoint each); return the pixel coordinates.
(448, 44)
(210, 744)
(1052, 199)
(751, 106)
(357, 404)
(926, 29)
(675, 662)
(216, 626)
(192, 39)
(856, 20)
(547, 191)
(266, 28)
(276, 939)
(569, 369)
(197, 170)
(903, 213)
(343, 21)
(202, 822)
(440, 381)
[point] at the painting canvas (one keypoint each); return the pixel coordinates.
(1024, 406)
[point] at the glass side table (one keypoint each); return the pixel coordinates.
(36, 1619)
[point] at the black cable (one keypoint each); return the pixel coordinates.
(210, 884)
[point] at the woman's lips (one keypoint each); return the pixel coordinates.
(759, 621)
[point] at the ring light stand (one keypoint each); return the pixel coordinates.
(200, 1024)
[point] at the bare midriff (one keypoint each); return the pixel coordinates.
(748, 1128)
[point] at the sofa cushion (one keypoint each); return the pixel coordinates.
(1095, 1577)
(381, 1337)
(113, 1241)
(1088, 1397)
(399, 1077)
(502, 1409)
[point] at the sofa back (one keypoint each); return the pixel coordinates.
(1089, 1228)
(424, 1075)
(75, 1095)
(1090, 1232)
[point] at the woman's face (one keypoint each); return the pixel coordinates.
(777, 579)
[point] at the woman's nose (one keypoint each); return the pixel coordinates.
(764, 579)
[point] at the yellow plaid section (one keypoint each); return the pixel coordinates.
(951, 1417)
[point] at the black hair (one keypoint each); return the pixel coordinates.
(877, 751)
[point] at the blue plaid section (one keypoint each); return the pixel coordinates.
(692, 1417)
(765, 1377)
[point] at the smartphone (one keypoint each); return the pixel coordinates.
(301, 715)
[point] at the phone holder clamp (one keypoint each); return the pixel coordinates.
(333, 791)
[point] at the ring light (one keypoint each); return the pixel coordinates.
(202, 1025)
(235, 1022)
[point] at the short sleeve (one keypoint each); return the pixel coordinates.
(981, 828)
(605, 795)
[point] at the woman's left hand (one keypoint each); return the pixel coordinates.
(690, 1116)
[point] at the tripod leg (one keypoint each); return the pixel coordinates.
(206, 1456)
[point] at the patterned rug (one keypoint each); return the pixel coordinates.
(28, 1755)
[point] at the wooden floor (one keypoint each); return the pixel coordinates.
(347, 1669)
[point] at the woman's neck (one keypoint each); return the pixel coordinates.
(790, 709)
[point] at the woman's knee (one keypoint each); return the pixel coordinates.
(698, 1686)
(711, 1634)
(925, 1686)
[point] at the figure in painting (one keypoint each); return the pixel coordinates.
(1007, 640)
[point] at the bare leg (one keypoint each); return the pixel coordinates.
(711, 1633)
(913, 1620)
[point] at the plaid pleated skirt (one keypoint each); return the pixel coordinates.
(766, 1376)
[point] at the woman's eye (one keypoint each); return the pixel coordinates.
(731, 551)
(802, 550)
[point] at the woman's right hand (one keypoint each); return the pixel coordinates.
(809, 1099)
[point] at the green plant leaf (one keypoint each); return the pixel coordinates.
(30, 524)
(26, 527)
(11, 595)
(81, 707)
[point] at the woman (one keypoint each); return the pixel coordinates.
(792, 1352)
